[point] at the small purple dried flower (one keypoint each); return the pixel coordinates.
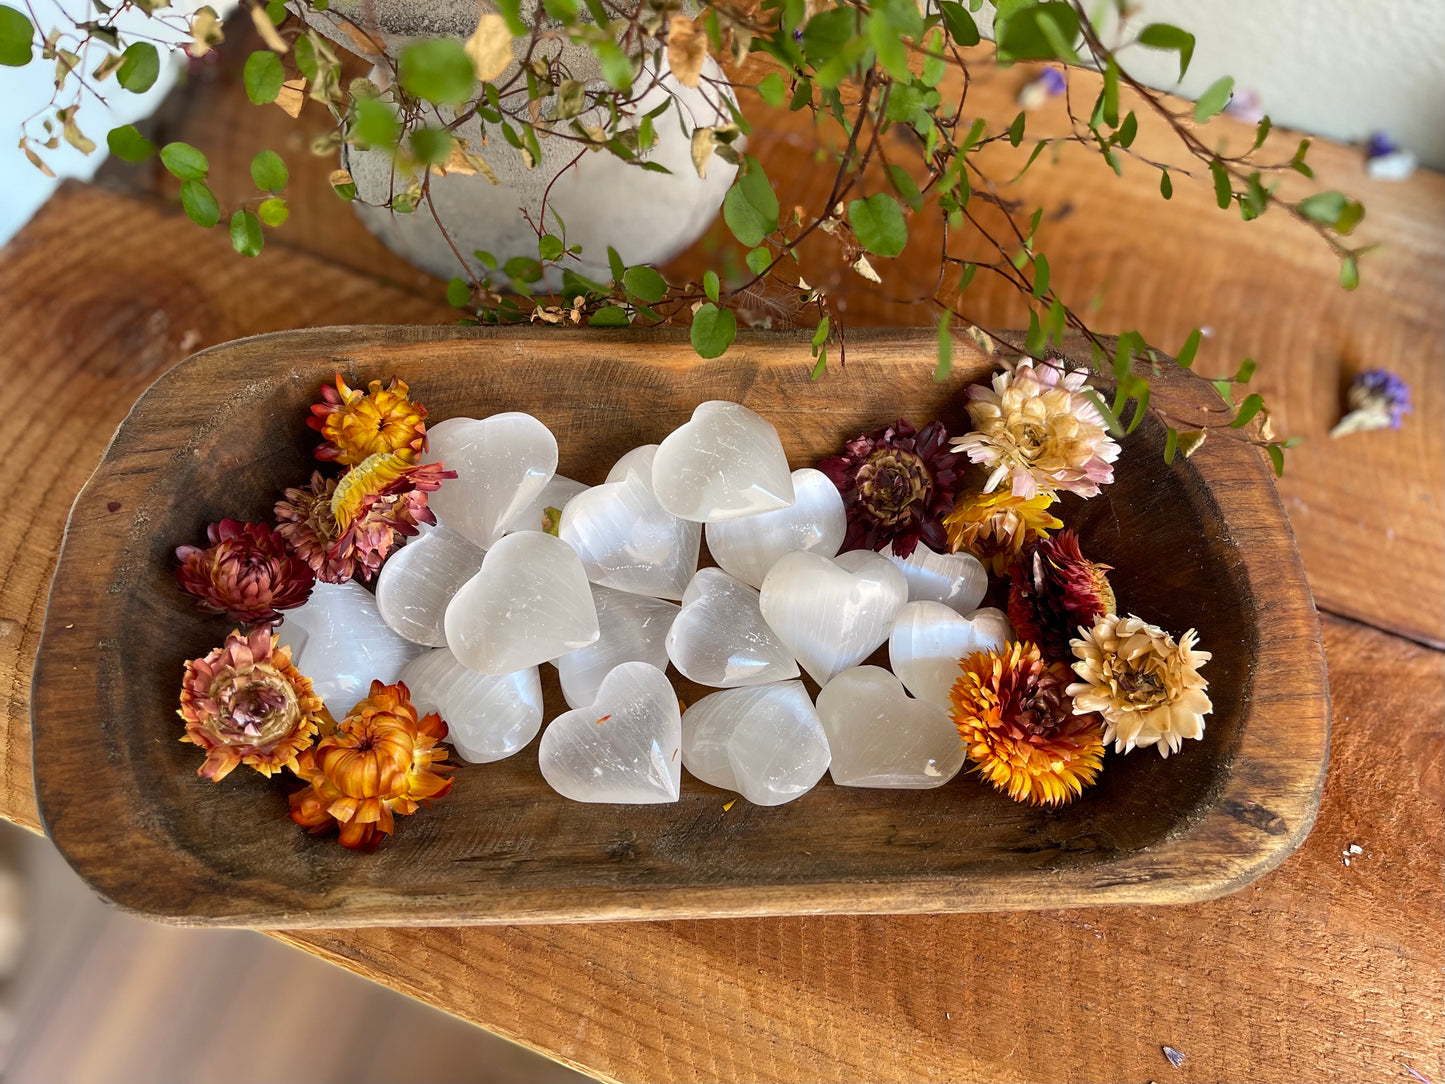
(1378, 399)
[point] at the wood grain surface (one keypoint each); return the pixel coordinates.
(1316, 972)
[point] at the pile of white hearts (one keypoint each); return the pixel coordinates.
(493, 596)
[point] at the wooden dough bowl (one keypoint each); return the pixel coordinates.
(1201, 543)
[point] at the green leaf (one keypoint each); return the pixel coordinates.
(710, 285)
(750, 208)
(827, 34)
(512, 11)
(609, 316)
(1247, 410)
(376, 125)
(888, 45)
(127, 144)
(1036, 31)
(616, 64)
(1128, 130)
(1334, 209)
(615, 264)
(1041, 275)
(1276, 458)
(1111, 420)
(17, 36)
(820, 366)
(549, 247)
(139, 66)
(1035, 340)
(945, 350)
(759, 260)
(263, 76)
(1111, 93)
(1164, 36)
(820, 333)
(246, 235)
(1185, 357)
(961, 27)
(645, 284)
(1171, 444)
(523, 269)
(199, 203)
(771, 89)
(879, 224)
(269, 172)
(1261, 133)
(1166, 186)
(437, 69)
(1223, 192)
(1245, 371)
(458, 293)
(713, 331)
(905, 186)
(431, 146)
(1212, 102)
(184, 161)
(1016, 130)
(1349, 272)
(759, 191)
(273, 212)
(1297, 163)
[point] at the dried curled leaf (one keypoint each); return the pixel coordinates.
(206, 32)
(1190, 441)
(686, 50)
(864, 268)
(267, 29)
(490, 47)
(292, 96)
(703, 142)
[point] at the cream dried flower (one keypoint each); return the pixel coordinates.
(1146, 686)
(1036, 427)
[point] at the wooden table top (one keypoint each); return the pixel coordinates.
(1318, 971)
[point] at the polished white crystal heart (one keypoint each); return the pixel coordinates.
(957, 580)
(627, 540)
(489, 717)
(766, 742)
(637, 459)
(748, 548)
(418, 581)
(727, 462)
(721, 639)
(929, 639)
(881, 738)
(555, 494)
(633, 629)
(832, 613)
(529, 603)
(338, 640)
(502, 462)
(625, 747)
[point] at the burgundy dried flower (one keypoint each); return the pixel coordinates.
(897, 485)
(247, 572)
(305, 520)
(1053, 591)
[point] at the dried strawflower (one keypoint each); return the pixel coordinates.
(1053, 590)
(897, 484)
(381, 761)
(1037, 428)
(1146, 686)
(1019, 726)
(995, 527)
(247, 572)
(1378, 399)
(244, 703)
(305, 520)
(379, 500)
(358, 424)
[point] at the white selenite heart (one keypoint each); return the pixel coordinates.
(555, 494)
(832, 613)
(489, 717)
(627, 540)
(726, 463)
(502, 462)
(338, 640)
(929, 639)
(748, 548)
(721, 639)
(418, 581)
(529, 603)
(957, 580)
(637, 459)
(634, 629)
(766, 742)
(881, 738)
(625, 747)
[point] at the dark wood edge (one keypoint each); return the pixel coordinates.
(1278, 796)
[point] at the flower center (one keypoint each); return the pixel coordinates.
(891, 482)
(259, 709)
(1032, 438)
(1145, 688)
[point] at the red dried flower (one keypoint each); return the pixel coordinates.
(1053, 591)
(897, 485)
(379, 500)
(305, 520)
(247, 572)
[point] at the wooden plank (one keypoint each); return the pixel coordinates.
(1266, 288)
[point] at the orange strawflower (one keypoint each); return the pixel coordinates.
(995, 527)
(1016, 719)
(244, 703)
(359, 423)
(380, 761)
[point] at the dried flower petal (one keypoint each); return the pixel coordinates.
(1145, 685)
(247, 572)
(897, 484)
(305, 520)
(358, 424)
(381, 761)
(1053, 591)
(1037, 428)
(378, 501)
(995, 527)
(244, 703)
(1378, 399)
(1019, 727)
